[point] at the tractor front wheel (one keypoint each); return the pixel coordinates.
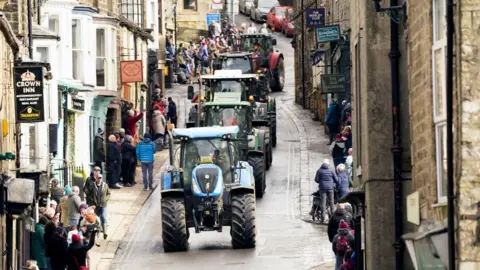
(174, 227)
(243, 230)
(269, 159)
(258, 164)
(278, 76)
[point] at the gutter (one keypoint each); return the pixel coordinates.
(9, 35)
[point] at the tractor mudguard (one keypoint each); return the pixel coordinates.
(176, 193)
(255, 153)
(273, 60)
(241, 189)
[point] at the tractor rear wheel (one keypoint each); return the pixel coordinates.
(269, 158)
(278, 76)
(174, 227)
(258, 164)
(243, 230)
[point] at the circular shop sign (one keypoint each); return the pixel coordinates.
(132, 68)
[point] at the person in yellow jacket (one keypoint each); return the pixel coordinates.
(63, 207)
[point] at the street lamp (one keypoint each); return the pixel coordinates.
(175, 24)
(398, 13)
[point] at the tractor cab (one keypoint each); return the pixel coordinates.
(260, 45)
(236, 60)
(229, 81)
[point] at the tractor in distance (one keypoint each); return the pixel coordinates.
(265, 57)
(206, 187)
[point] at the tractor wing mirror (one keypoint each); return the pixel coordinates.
(274, 42)
(190, 92)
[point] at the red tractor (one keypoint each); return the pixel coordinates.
(265, 58)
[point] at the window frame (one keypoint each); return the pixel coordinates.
(79, 50)
(186, 7)
(105, 62)
(439, 119)
(55, 17)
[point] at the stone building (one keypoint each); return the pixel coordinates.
(191, 18)
(427, 81)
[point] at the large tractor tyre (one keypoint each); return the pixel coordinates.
(278, 77)
(174, 226)
(267, 157)
(258, 164)
(270, 154)
(243, 230)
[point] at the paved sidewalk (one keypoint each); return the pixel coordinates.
(123, 207)
(324, 266)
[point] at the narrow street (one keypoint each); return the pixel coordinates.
(284, 239)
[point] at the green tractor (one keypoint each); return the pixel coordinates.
(228, 108)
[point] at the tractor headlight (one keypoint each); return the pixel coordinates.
(251, 141)
(237, 178)
(195, 187)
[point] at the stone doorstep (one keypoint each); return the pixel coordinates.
(122, 210)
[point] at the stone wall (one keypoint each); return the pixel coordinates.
(468, 183)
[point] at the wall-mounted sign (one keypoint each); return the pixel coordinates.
(213, 17)
(328, 33)
(315, 17)
(316, 57)
(131, 71)
(78, 104)
(333, 83)
(28, 85)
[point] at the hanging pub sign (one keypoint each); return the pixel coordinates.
(333, 83)
(328, 33)
(315, 17)
(78, 104)
(28, 86)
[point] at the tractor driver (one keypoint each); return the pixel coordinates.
(257, 48)
(228, 118)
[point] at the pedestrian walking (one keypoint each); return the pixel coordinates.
(74, 203)
(99, 148)
(145, 153)
(90, 181)
(38, 244)
(63, 207)
(348, 260)
(326, 180)
(129, 162)
(158, 124)
(333, 120)
(338, 150)
(342, 242)
(114, 161)
(56, 192)
(77, 252)
(172, 111)
(101, 197)
(340, 214)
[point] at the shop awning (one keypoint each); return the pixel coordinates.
(69, 84)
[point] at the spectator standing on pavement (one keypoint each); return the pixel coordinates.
(342, 242)
(326, 180)
(145, 153)
(74, 203)
(338, 150)
(264, 29)
(129, 162)
(172, 112)
(340, 214)
(343, 181)
(333, 120)
(252, 29)
(77, 252)
(101, 196)
(56, 192)
(57, 249)
(63, 208)
(131, 122)
(346, 112)
(114, 161)
(89, 182)
(121, 133)
(158, 124)
(349, 165)
(99, 148)
(38, 244)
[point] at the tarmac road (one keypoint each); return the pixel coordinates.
(284, 241)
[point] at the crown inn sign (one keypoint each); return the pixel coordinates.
(29, 99)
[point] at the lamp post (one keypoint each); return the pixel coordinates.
(175, 25)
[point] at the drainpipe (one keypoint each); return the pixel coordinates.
(135, 49)
(65, 137)
(38, 13)
(394, 56)
(304, 92)
(449, 102)
(30, 31)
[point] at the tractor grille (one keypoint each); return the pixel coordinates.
(207, 175)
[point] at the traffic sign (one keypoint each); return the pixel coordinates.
(213, 17)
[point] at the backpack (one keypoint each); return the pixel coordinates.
(342, 245)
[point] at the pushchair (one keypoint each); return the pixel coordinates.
(315, 212)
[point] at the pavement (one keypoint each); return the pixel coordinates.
(284, 239)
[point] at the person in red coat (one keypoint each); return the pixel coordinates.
(132, 119)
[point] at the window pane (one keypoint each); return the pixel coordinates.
(100, 42)
(439, 79)
(100, 71)
(190, 4)
(53, 24)
(77, 64)
(442, 158)
(439, 22)
(76, 34)
(43, 53)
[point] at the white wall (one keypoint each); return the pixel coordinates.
(152, 20)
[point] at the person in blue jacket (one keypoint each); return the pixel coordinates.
(333, 120)
(145, 153)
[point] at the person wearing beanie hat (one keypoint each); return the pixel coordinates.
(99, 148)
(342, 242)
(77, 251)
(326, 179)
(145, 153)
(340, 214)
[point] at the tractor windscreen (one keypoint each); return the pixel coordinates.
(227, 86)
(237, 63)
(248, 43)
(228, 117)
(205, 152)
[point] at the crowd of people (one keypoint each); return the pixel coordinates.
(198, 56)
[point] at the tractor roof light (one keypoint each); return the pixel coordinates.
(202, 99)
(251, 99)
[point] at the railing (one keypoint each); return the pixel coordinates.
(69, 174)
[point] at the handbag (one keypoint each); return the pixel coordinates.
(78, 265)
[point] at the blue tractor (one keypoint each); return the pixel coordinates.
(207, 187)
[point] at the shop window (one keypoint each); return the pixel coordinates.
(133, 10)
(190, 4)
(101, 58)
(439, 95)
(77, 50)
